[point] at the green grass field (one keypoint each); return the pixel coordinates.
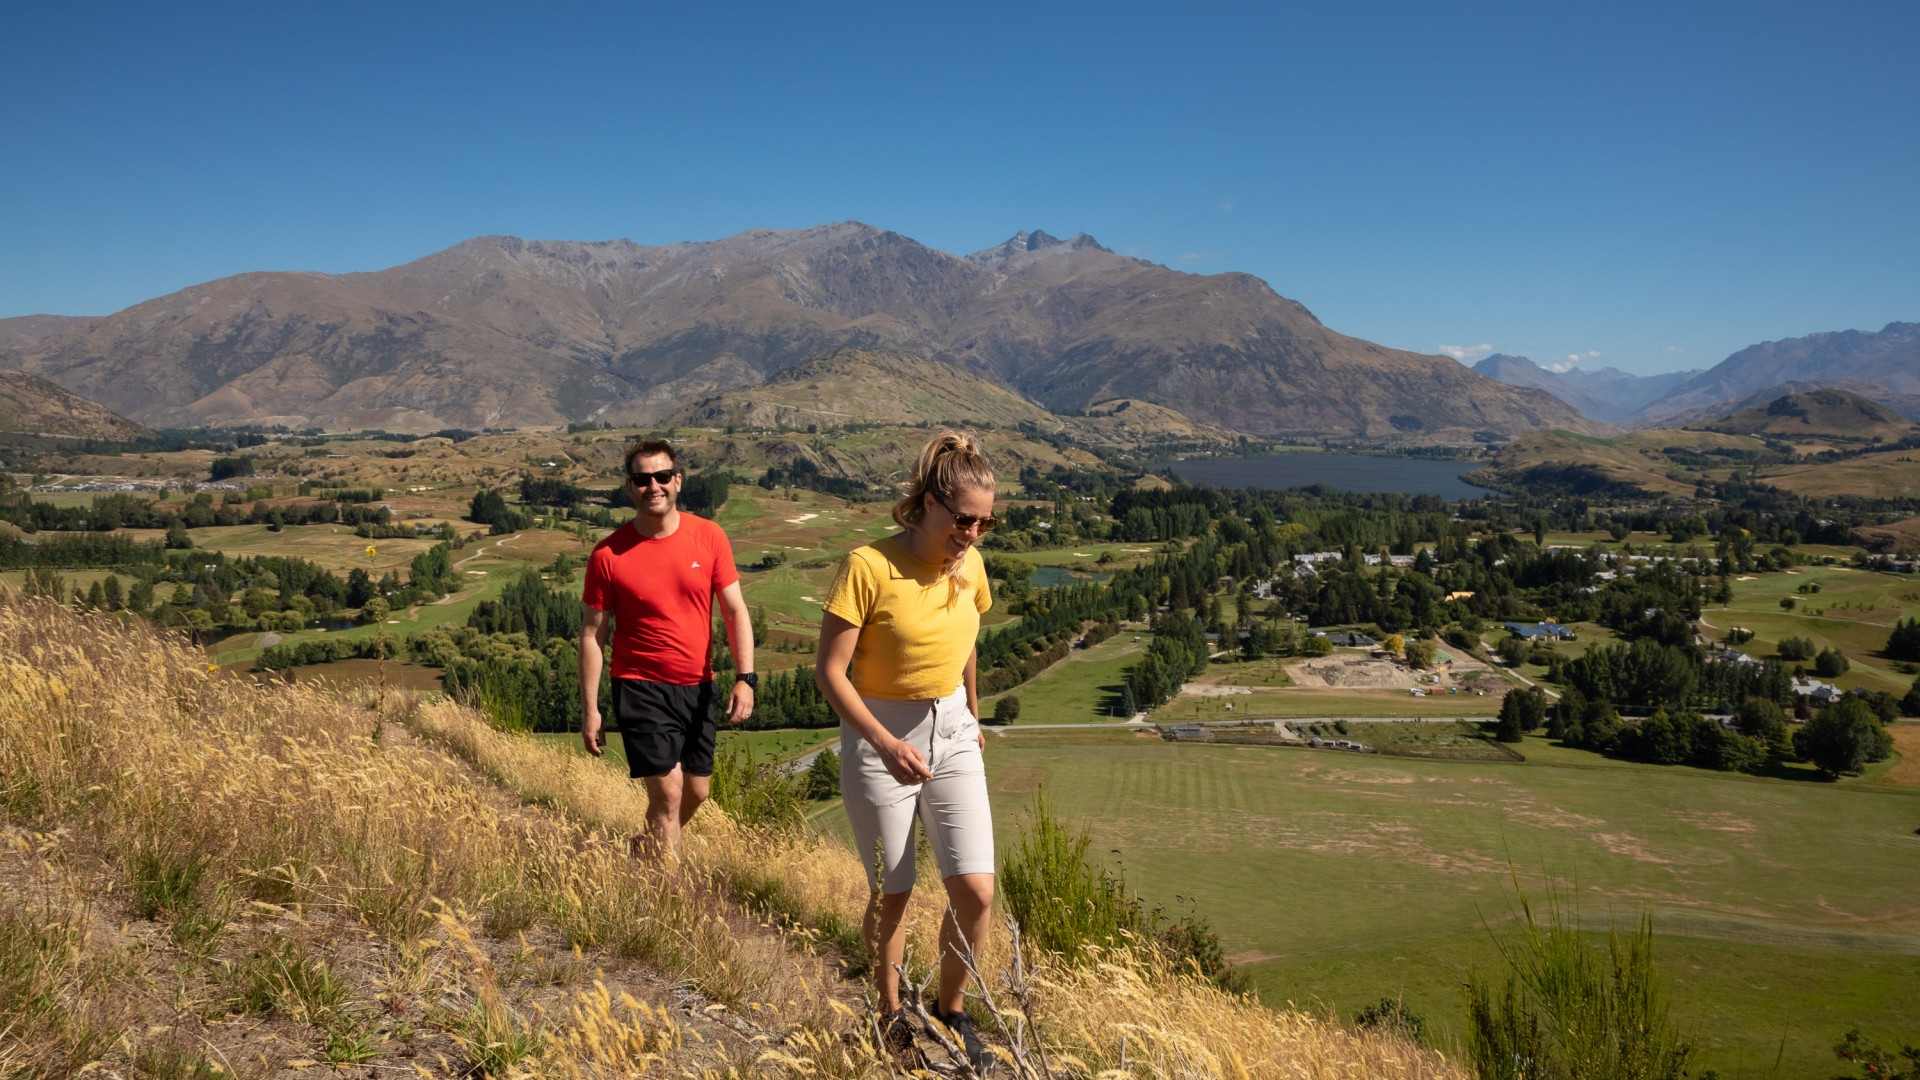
(1083, 688)
(1785, 910)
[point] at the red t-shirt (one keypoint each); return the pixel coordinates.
(661, 595)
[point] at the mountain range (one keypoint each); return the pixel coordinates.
(504, 332)
(1603, 394)
(1883, 366)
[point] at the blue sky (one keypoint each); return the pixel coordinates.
(1650, 186)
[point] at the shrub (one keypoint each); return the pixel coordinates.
(1068, 906)
(1570, 1008)
(1007, 709)
(1061, 901)
(759, 793)
(1390, 1014)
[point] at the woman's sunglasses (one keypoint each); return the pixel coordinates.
(663, 477)
(968, 521)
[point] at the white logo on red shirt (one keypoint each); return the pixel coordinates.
(696, 566)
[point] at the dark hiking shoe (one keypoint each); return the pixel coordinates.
(896, 1032)
(969, 1037)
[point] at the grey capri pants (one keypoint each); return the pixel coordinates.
(952, 806)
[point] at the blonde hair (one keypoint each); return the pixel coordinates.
(950, 463)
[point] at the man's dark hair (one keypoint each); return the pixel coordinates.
(646, 448)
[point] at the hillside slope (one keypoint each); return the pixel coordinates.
(33, 406)
(356, 879)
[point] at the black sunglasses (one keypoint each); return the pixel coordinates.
(968, 521)
(663, 477)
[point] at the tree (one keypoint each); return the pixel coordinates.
(1843, 739)
(1830, 663)
(1007, 709)
(1904, 642)
(1763, 719)
(822, 778)
(1520, 712)
(1910, 705)
(1795, 648)
(1419, 653)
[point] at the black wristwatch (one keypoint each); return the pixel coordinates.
(751, 678)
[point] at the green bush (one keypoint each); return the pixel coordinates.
(1573, 1010)
(1390, 1014)
(1066, 905)
(1061, 901)
(759, 793)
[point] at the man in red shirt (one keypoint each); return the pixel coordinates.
(652, 583)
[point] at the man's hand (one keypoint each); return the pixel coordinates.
(904, 763)
(590, 731)
(741, 706)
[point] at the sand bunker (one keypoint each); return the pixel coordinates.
(1214, 691)
(802, 519)
(1355, 672)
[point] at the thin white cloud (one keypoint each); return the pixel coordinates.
(1199, 256)
(1226, 205)
(1573, 360)
(1463, 353)
(1677, 350)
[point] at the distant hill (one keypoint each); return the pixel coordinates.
(506, 332)
(1562, 463)
(1888, 360)
(1904, 405)
(1831, 415)
(1603, 394)
(33, 406)
(861, 386)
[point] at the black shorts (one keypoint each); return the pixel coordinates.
(663, 725)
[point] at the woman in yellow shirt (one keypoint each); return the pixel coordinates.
(897, 664)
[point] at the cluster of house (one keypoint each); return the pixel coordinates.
(135, 485)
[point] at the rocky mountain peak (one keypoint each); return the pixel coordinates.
(1039, 240)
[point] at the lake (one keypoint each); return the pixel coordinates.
(1348, 472)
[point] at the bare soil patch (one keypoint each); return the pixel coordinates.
(1351, 672)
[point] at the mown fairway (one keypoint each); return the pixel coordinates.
(1853, 611)
(1786, 910)
(1082, 689)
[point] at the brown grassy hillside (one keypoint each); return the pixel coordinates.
(202, 876)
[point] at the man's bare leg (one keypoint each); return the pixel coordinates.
(664, 793)
(672, 800)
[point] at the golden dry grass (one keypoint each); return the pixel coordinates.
(205, 876)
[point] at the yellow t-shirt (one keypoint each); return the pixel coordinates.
(916, 629)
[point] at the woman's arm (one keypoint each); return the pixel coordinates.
(973, 694)
(837, 639)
